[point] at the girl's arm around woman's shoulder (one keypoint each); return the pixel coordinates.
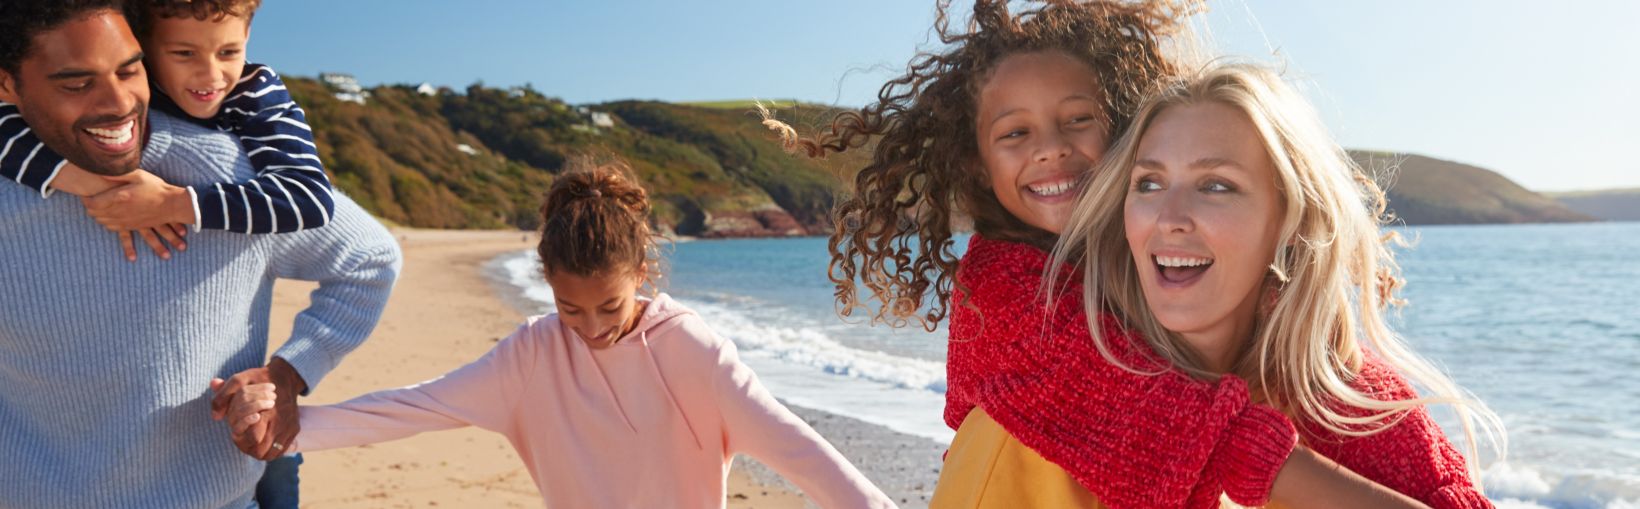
(1134, 440)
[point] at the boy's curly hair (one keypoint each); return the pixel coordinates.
(893, 234)
(142, 13)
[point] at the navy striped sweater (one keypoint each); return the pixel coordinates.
(290, 192)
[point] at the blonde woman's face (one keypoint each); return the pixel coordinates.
(1202, 217)
(1041, 126)
(600, 308)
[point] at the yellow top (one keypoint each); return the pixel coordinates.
(988, 468)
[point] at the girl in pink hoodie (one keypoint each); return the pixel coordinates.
(616, 400)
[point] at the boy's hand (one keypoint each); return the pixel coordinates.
(141, 201)
(75, 180)
(172, 233)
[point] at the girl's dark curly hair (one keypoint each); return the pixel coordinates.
(893, 234)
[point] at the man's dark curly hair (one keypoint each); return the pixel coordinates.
(21, 20)
(893, 231)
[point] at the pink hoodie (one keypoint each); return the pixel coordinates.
(652, 421)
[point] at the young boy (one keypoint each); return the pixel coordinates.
(194, 52)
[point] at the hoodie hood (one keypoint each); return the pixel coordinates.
(659, 315)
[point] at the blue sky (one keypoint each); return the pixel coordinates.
(1543, 92)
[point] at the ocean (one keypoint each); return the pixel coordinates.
(1542, 322)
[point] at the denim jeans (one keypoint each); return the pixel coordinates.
(280, 487)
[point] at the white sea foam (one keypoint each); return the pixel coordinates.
(808, 347)
(1517, 486)
(523, 271)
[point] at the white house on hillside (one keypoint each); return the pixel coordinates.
(346, 86)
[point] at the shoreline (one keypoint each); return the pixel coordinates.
(446, 310)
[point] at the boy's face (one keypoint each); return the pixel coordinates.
(197, 62)
(82, 90)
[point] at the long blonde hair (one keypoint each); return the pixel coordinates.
(1334, 273)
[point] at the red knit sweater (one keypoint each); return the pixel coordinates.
(1148, 441)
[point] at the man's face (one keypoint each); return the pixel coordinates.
(83, 91)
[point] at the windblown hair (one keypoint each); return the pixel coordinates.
(143, 13)
(595, 221)
(21, 20)
(893, 234)
(1333, 273)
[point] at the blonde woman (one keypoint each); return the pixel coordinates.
(1236, 238)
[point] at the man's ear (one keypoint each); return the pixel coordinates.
(8, 87)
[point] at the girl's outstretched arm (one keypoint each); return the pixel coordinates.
(483, 393)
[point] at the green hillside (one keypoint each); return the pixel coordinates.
(484, 157)
(1424, 190)
(1610, 205)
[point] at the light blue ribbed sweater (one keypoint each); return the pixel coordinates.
(105, 364)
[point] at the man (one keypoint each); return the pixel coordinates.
(105, 364)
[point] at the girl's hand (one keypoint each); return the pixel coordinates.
(246, 408)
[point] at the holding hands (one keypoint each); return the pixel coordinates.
(259, 406)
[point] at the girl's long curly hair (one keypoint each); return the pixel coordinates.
(893, 233)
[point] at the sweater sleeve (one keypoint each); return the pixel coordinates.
(483, 393)
(356, 261)
(761, 427)
(290, 191)
(1412, 457)
(25, 159)
(1134, 440)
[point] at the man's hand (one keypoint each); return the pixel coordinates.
(141, 201)
(280, 421)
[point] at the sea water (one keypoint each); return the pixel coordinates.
(1542, 322)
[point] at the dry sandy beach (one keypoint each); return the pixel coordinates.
(445, 312)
